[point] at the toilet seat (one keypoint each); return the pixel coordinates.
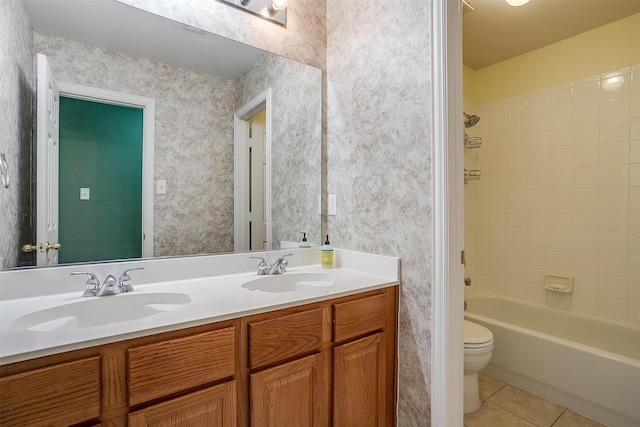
(476, 336)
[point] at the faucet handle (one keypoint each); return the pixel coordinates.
(124, 282)
(263, 267)
(280, 266)
(92, 284)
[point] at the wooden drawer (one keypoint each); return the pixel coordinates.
(358, 317)
(168, 367)
(283, 337)
(63, 394)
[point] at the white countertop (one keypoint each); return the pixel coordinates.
(210, 299)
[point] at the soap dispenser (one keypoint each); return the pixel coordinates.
(326, 254)
(304, 243)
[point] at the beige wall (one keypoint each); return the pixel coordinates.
(605, 48)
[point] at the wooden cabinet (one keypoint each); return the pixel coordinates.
(320, 364)
(211, 407)
(359, 383)
(291, 394)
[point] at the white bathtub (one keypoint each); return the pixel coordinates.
(588, 364)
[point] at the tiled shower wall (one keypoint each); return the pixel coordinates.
(559, 193)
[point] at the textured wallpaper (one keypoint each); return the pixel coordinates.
(193, 139)
(379, 162)
(16, 98)
(296, 142)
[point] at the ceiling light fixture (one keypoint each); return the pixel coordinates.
(516, 2)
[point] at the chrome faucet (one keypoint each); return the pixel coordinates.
(278, 267)
(110, 286)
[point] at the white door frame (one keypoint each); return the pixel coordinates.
(148, 106)
(241, 169)
(447, 344)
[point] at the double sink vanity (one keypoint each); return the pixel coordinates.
(202, 341)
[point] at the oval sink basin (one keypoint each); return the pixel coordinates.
(101, 311)
(290, 282)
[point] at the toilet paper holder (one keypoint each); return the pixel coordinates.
(558, 283)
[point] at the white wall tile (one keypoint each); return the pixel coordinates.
(612, 308)
(614, 242)
(584, 261)
(585, 156)
(614, 154)
(562, 183)
(559, 178)
(615, 86)
(584, 219)
(586, 93)
(615, 131)
(559, 238)
(614, 220)
(560, 98)
(585, 283)
(584, 177)
(614, 175)
(634, 198)
(584, 198)
(584, 115)
(561, 138)
(559, 159)
(612, 264)
(584, 303)
(633, 247)
(613, 198)
(585, 136)
(584, 240)
(634, 175)
(615, 109)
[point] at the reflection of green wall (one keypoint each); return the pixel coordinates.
(100, 149)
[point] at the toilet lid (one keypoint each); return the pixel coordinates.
(476, 334)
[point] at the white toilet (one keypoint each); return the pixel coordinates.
(478, 344)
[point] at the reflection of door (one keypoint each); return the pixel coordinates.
(100, 181)
(48, 199)
(241, 171)
(258, 165)
(48, 101)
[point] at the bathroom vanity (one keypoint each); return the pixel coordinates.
(320, 356)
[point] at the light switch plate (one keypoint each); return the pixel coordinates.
(333, 205)
(161, 186)
(85, 193)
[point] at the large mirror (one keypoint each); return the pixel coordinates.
(199, 82)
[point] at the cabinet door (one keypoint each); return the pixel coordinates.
(212, 407)
(292, 394)
(359, 383)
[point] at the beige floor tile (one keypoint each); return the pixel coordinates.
(488, 385)
(571, 419)
(490, 415)
(526, 405)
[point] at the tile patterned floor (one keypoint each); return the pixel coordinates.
(508, 406)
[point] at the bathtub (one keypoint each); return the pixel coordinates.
(587, 364)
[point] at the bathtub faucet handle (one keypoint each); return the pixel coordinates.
(467, 281)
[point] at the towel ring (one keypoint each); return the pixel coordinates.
(3, 171)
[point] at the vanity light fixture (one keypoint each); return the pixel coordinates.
(271, 10)
(516, 2)
(275, 7)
